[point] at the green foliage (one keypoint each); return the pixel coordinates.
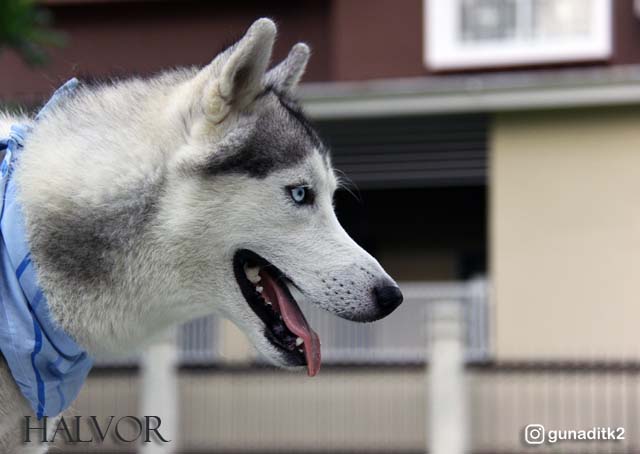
(25, 28)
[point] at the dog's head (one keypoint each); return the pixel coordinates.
(253, 206)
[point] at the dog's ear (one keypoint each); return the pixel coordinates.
(235, 77)
(286, 75)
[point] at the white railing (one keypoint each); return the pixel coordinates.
(199, 341)
(398, 339)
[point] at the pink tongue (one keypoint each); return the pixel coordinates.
(297, 324)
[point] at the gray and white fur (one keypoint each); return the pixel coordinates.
(137, 194)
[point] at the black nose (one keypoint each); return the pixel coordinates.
(388, 298)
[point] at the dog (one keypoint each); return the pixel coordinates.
(150, 202)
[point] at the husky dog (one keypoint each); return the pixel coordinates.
(150, 202)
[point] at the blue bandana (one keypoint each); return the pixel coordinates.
(46, 363)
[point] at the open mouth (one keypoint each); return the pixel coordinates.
(265, 288)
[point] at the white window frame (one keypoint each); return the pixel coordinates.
(442, 51)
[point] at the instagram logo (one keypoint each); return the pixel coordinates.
(534, 434)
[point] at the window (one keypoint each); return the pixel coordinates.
(484, 33)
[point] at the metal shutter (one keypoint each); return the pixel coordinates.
(400, 152)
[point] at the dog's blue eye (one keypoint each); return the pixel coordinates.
(301, 194)
(298, 194)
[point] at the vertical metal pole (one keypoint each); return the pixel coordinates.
(447, 391)
(159, 384)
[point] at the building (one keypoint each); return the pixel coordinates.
(487, 138)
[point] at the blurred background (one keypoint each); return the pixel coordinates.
(494, 145)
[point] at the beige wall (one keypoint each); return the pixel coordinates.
(565, 233)
(369, 410)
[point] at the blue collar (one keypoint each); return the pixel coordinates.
(46, 363)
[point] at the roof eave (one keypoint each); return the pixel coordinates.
(494, 92)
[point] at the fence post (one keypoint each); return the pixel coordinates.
(159, 398)
(447, 391)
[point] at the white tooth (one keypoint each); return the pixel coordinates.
(301, 350)
(252, 273)
(299, 341)
(268, 303)
(259, 289)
